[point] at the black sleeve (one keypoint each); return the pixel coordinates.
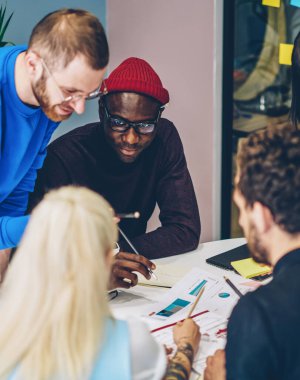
(53, 174)
(179, 214)
(250, 351)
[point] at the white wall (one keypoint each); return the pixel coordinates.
(177, 38)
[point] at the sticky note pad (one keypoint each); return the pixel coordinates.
(285, 54)
(295, 3)
(271, 3)
(248, 268)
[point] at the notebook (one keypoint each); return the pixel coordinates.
(224, 259)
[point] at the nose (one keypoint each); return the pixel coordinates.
(131, 137)
(79, 106)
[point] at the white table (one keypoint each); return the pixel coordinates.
(129, 302)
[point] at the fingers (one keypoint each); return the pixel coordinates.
(215, 366)
(122, 278)
(139, 259)
(124, 266)
(133, 263)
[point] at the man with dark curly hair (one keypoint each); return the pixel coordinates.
(263, 330)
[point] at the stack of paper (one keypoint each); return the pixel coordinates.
(248, 268)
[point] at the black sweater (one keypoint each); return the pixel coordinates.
(159, 175)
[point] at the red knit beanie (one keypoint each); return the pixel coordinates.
(136, 75)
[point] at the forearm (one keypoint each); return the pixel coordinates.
(180, 365)
(165, 241)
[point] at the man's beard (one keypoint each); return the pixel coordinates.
(39, 91)
(258, 251)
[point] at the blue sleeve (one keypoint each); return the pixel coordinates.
(249, 353)
(11, 230)
(13, 208)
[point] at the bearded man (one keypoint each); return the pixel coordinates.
(263, 330)
(41, 85)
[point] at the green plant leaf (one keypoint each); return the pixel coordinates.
(3, 30)
(2, 14)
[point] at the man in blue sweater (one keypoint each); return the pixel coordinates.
(263, 330)
(41, 85)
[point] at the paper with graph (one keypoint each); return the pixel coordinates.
(211, 313)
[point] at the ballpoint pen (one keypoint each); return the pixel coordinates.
(135, 251)
(233, 286)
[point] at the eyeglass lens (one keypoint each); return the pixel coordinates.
(120, 125)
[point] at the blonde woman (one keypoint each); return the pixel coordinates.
(54, 314)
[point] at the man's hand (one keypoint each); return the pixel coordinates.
(124, 265)
(4, 260)
(215, 366)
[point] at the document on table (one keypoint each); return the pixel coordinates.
(218, 297)
(211, 312)
(213, 337)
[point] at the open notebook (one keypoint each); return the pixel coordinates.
(167, 275)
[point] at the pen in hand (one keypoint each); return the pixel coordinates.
(135, 251)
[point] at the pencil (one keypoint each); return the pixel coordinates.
(195, 303)
(233, 287)
(135, 250)
(131, 215)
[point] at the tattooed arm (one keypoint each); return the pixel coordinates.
(187, 337)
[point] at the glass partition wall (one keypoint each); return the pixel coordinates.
(256, 81)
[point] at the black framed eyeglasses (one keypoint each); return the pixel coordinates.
(122, 125)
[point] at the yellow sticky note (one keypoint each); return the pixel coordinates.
(271, 3)
(285, 54)
(249, 268)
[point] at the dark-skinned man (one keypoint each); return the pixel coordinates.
(135, 159)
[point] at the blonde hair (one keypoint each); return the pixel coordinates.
(53, 300)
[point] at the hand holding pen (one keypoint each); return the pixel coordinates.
(124, 268)
(127, 263)
(135, 251)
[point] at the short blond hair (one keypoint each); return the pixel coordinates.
(61, 35)
(53, 300)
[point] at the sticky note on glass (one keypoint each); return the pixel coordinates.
(285, 54)
(248, 268)
(271, 3)
(295, 3)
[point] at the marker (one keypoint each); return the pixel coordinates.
(135, 251)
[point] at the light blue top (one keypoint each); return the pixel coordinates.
(24, 135)
(113, 360)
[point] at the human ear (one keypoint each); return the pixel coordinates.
(262, 217)
(101, 111)
(33, 65)
(109, 259)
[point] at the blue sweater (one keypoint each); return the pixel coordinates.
(24, 134)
